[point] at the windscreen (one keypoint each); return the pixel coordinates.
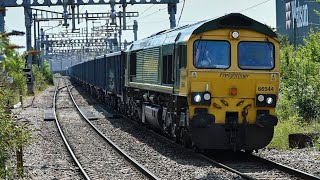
(256, 55)
(211, 54)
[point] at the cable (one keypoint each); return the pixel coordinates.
(147, 9)
(184, 2)
(159, 21)
(52, 27)
(6, 28)
(82, 8)
(143, 12)
(255, 6)
(152, 13)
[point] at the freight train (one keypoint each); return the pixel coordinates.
(210, 85)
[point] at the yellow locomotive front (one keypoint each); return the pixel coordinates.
(232, 81)
(212, 85)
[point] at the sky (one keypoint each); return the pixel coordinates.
(154, 18)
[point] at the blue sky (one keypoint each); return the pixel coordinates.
(154, 18)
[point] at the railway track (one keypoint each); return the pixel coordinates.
(75, 159)
(250, 166)
(247, 166)
(96, 155)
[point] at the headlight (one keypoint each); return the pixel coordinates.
(261, 98)
(269, 100)
(201, 98)
(197, 98)
(235, 34)
(207, 96)
(266, 100)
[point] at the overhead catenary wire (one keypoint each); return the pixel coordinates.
(255, 5)
(184, 2)
(147, 9)
(248, 8)
(152, 13)
(143, 12)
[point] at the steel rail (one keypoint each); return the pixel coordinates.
(136, 164)
(85, 175)
(278, 166)
(189, 150)
(285, 168)
(226, 167)
(269, 163)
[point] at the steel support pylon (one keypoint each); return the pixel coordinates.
(28, 24)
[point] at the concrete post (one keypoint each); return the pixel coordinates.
(19, 155)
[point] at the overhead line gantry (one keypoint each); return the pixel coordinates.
(65, 16)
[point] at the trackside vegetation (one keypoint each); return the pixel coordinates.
(14, 134)
(298, 107)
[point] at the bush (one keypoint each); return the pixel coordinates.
(298, 108)
(42, 76)
(39, 78)
(13, 67)
(47, 73)
(12, 135)
(282, 131)
(300, 81)
(292, 125)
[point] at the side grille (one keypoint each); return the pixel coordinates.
(147, 65)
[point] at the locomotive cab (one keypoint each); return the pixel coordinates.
(233, 85)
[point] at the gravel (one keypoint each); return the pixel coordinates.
(307, 159)
(99, 159)
(46, 156)
(164, 159)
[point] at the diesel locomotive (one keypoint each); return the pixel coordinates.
(210, 85)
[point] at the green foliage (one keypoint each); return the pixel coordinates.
(39, 78)
(298, 108)
(292, 125)
(12, 134)
(12, 137)
(47, 73)
(282, 131)
(13, 66)
(300, 81)
(42, 76)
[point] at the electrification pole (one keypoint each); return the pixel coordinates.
(28, 68)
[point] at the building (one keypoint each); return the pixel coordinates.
(295, 18)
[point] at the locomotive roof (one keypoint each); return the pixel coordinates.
(233, 21)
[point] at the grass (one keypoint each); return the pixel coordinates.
(292, 125)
